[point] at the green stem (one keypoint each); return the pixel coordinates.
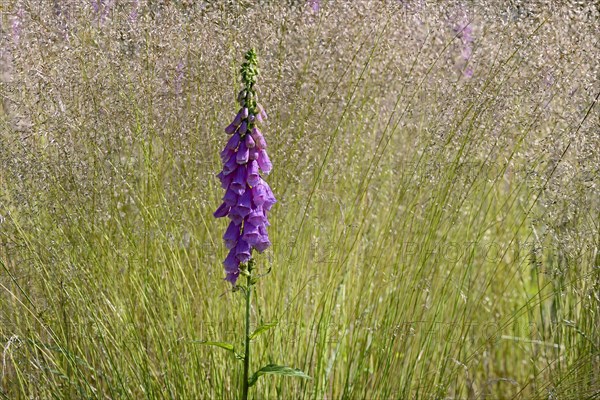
(247, 346)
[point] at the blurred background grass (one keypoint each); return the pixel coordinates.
(436, 166)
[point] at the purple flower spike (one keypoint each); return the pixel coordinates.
(248, 198)
(253, 177)
(264, 163)
(238, 184)
(243, 251)
(231, 236)
(242, 154)
(259, 138)
(222, 211)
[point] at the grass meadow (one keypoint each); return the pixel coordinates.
(436, 165)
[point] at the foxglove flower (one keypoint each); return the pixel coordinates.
(248, 198)
(231, 236)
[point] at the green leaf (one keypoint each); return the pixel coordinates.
(223, 345)
(263, 328)
(274, 369)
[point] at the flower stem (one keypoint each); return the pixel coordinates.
(247, 346)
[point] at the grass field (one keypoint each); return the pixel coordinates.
(436, 165)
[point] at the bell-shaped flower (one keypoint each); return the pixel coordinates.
(257, 216)
(231, 236)
(222, 211)
(231, 263)
(243, 128)
(242, 154)
(230, 198)
(269, 200)
(225, 179)
(238, 184)
(263, 162)
(251, 233)
(259, 139)
(253, 177)
(249, 142)
(264, 242)
(244, 204)
(232, 277)
(231, 165)
(243, 251)
(226, 154)
(259, 193)
(233, 142)
(262, 115)
(253, 152)
(235, 217)
(230, 129)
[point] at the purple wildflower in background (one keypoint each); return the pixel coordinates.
(102, 8)
(248, 198)
(133, 15)
(17, 24)
(464, 31)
